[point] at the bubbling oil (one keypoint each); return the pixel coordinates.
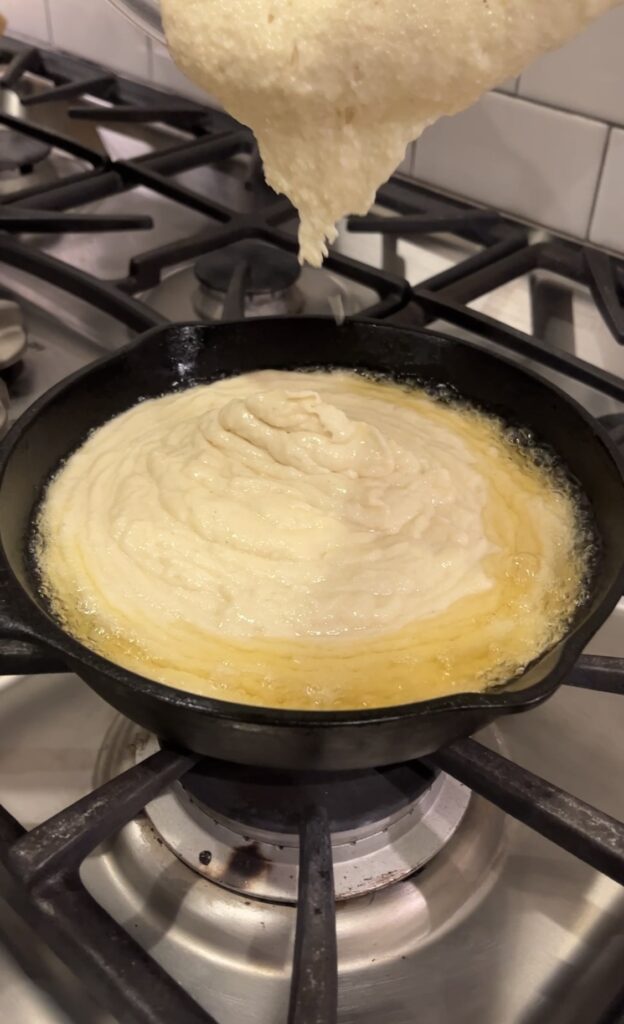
(432, 550)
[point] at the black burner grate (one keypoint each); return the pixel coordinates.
(45, 862)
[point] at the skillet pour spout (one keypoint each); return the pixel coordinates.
(181, 355)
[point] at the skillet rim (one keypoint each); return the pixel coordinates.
(46, 631)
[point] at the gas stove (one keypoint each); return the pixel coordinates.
(142, 885)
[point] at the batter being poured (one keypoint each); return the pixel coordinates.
(310, 540)
(334, 90)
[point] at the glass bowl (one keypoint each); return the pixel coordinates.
(145, 14)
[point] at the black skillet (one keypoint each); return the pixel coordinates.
(182, 355)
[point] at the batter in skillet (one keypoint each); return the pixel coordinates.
(310, 540)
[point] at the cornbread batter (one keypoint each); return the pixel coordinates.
(334, 90)
(310, 540)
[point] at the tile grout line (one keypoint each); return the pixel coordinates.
(563, 110)
(601, 170)
(150, 60)
(48, 17)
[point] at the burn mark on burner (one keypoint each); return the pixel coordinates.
(247, 862)
(205, 857)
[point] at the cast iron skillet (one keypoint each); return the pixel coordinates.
(181, 355)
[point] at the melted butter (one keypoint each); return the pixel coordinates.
(310, 540)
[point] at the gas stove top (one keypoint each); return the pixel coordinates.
(122, 208)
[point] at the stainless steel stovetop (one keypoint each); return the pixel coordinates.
(501, 926)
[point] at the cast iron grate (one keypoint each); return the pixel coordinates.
(66, 78)
(45, 862)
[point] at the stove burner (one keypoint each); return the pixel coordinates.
(239, 826)
(20, 153)
(269, 269)
(248, 278)
(273, 800)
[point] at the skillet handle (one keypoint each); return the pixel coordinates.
(26, 658)
(20, 653)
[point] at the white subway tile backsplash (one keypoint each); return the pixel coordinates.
(97, 31)
(26, 18)
(607, 226)
(587, 75)
(537, 163)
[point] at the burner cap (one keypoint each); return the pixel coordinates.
(20, 152)
(270, 799)
(238, 825)
(270, 269)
